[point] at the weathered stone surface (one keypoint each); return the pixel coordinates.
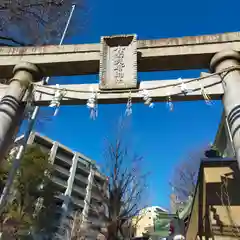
(153, 55)
(118, 62)
(213, 87)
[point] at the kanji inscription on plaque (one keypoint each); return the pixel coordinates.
(118, 62)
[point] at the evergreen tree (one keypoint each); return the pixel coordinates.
(31, 207)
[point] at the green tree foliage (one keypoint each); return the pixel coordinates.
(3, 172)
(30, 209)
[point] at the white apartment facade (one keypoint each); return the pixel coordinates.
(75, 177)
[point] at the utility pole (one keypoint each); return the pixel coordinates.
(30, 126)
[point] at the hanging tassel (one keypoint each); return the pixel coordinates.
(128, 111)
(205, 95)
(170, 103)
(56, 100)
(184, 88)
(92, 105)
(147, 100)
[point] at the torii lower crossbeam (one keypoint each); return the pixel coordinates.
(212, 86)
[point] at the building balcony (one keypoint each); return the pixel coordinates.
(66, 161)
(79, 191)
(60, 183)
(99, 177)
(44, 142)
(93, 213)
(82, 169)
(98, 187)
(81, 180)
(96, 195)
(61, 172)
(77, 202)
(44, 148)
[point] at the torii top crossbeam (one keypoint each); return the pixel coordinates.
(150, 55)
(153, 55)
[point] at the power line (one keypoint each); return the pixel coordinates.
(21, 150)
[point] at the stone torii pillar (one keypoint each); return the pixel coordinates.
(11, 105)
(231, 97)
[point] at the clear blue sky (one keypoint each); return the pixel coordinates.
(163, 138)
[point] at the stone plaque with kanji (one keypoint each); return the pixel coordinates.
(118, 62)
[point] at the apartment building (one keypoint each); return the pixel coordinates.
(77, 179)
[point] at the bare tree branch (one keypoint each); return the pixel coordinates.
(124, 193)
(38, 22)
(185, 175)
(12, 40)
(226, 201)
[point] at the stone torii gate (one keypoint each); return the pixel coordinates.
(118, 59)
